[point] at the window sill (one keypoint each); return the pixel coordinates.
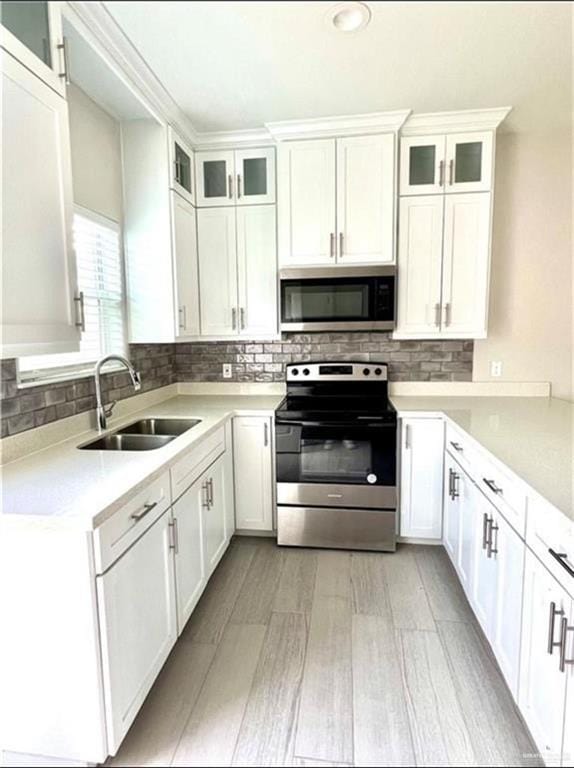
(65, 378)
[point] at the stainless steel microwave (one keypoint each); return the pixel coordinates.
(338, 299)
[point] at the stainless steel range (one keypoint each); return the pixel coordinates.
(336, 446)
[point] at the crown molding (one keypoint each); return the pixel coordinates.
(455, 122)
(344, 125)
(250, 137)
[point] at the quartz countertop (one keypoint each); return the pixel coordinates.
(532, 436)
(63, 486)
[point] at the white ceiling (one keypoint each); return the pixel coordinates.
(236, 65)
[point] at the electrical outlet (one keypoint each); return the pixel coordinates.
(496, 368)
(226, 370)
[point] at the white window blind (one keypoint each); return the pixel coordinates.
(99, 265)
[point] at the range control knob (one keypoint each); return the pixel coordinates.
(378, 371)
(366, 371)
(295, 371)
(306, 371)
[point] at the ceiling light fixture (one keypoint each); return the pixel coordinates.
(349, 17)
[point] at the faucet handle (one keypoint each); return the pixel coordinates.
(108, 409)
(137, 381)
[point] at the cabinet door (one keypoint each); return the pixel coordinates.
(32, 33)
(484, 582)
(257, 270)
(419, 266)
(307, 226)
(509, 557)
(215, 178)
(136, 603)
(186, 274)
(421, 478)
(568, 746)
(451, 510)
(255, 176)
(467, 499)
(422, 165)
(182, 167)
(542, 687)
(466, 265)
(217, 271)
(214, 512)
(252, 456)
(189, 555)
(469, 161)
(38, 264)
(366, 199)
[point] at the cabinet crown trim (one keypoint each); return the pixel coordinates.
(344, 125)
(455, 122)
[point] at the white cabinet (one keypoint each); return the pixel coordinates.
(137, 609)
(443, 266)
(186, 273)
(543, 685)
(214, 514)
(422, 454)
(240, 177)
(38, 265)
(32, 33)
(336, 201)
(181, 167)
(451, 511)
(458, 520)
(484, 579)
(253, 469)
(238, 271)
(437, 164)
(189, 558)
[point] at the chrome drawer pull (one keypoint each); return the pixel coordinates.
(562, 558)
(492, 550)
(143, 511)
(174, 536)
(492, 485)
(485, 524)
(553, 614)
(457, 446)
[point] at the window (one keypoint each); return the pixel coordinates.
(99, 264)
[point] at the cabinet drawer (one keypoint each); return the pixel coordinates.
(503, 491)
(460, 448)
(188, 469)
(119, 532)
(549, 531)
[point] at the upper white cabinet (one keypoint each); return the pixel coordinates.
(253, 464)
(186, 274)
(235, 177)
(336, 201)
(182, 166)
(38, 265)
(238, 269)
(422, 455)
(32, 33)
(436, 164)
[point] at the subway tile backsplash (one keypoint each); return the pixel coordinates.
(251, 361)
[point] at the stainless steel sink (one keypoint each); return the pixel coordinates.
(158, 427)
(117, 442)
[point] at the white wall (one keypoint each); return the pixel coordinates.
(96, 156)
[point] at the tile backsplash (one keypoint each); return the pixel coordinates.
(251, 361)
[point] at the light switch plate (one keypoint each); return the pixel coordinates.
(496, 368)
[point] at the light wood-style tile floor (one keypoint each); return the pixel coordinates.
(303, 657)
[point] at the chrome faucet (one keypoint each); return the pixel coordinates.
(105, 411)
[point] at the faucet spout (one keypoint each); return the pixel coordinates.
(105, 411)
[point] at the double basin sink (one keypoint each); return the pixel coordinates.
(142, 435)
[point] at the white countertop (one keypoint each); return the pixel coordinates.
(63, 486)
(532, 436)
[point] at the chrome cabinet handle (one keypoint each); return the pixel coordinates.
(205, 491)
(210, 492)
(492, 485)
(143, 511)
(447, 314)
(81, 322)
(265, 434)
(441, 173)
(332, 245)
(552, 617)
(174, 535)
(457, 446)
(183, 317)
(451, 172)
(562, 558)
(564, 629)
(238, 186)
(341, 245)
(63, 46)
(455, 477)
(485, 525)
(437, 315)
(230, 186)
(234, 318)
(407, 436)
(491, 549)
(450, 474)
(242, 317)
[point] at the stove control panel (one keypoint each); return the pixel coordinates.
(337, 371)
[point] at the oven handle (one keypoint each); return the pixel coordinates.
(334, 425)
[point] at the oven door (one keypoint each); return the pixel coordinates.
(336, 465)
(334, 299)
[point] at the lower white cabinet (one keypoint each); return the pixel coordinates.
(213, 514)
(422, 455)
(543, 685)
(458, 521)
(137, 610)
(253, 470)
(188, 547)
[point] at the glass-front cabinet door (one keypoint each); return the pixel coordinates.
(182, 171)
(423, 167)
(215, 177)
(469, 162)
(32, 33)
(255, 176)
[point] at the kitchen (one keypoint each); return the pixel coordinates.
(287, 397)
